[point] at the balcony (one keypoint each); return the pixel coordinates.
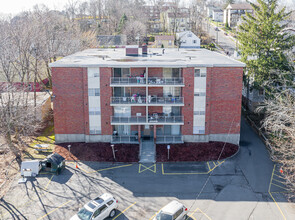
(163, 81)
(169, 139)
(128, 81)
(152, 119)
(126, 139)
(150, 101)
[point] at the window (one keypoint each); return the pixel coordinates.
(95, 130)
(170, 42)
(199, 112)
(199, 130)
(195, 41)
(189, 35)
(110, 202)
(203, 74)
(177, 214)
(96, 74)
(94, 111)
(261, 92)
(94, 92)
(197, 72)
(200, 93)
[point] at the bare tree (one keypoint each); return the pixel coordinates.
(134, 31)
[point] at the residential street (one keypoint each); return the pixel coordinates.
(243, 187)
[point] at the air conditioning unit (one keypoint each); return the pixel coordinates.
(138, 114)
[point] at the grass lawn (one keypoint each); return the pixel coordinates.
(46, 137)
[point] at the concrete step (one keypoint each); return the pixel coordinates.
(147, 152)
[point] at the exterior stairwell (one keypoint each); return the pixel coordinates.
(147, 151)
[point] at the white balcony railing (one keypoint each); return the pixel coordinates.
(169, 139)
(131, 139)
(165, 81)
(128, 100)
(165, 100)
(165, 119)
(128, 80)
(152, 119)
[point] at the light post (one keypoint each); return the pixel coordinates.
(168, 148)
(113, 150)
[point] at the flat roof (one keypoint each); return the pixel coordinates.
(172, 57)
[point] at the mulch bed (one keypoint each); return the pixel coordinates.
(98, 152)
(195, 151)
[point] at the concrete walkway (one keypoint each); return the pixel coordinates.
(147, 152)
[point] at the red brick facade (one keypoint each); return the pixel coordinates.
(69, 103)
(188, 94)
(105, 94)
(224, 98)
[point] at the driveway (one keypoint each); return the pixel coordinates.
(244, 187)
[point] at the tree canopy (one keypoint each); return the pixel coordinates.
(263, 43)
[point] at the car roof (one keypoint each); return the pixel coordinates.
(172, 207)
(97, 202)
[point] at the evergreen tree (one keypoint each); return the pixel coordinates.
(263, 43)
(122, 23)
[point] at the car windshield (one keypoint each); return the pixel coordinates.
(164, 216)
(84, 214)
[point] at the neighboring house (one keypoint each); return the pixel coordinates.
(253, 99)
(167, 41)
(175, 22)
(153, 16)
(217, 15)
(233, 13)
(209, 10)
(170, 96)
(188, 40)
(111, 40)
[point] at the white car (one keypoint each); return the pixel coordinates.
(172, 211)
(98, 209)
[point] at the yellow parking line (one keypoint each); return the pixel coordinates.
(191, 215)
(208, 166)
(54, 210)
(109, 168)
(271, 194)
(48, 182)
(124, 210)
(205, 214)
(147, 168)
(279, 181)
(279, 186)
(214, 163)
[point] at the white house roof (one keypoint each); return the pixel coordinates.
(172, 57)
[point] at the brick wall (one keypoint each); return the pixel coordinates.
(188, 94)
(155, 72)
(137, 71)
(138, 90)
(158, 91)
(155, 109)
(105, 94)
(224, 97)
(69, 87)
(138, 109)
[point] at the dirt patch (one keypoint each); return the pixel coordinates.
(195, 151)
(101, 152)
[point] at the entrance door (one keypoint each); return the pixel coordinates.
(147, 132)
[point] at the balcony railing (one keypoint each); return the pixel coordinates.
(129, 139)
(128, 80)
(150, 100)
(169, 139)
(165, 81)
(152, 119)
(128, 100)
(128, 120)
(165, 119)
(165, 100)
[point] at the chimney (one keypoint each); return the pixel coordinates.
(131, 50)
(144, 49)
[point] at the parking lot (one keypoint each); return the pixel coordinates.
(247, 186)
(141, 189)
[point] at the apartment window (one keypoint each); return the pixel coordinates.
(197, 72)
(200, 93)
(199, 112)
(94, 92)
(96, 74)
(95, 130)
(203, 74)
(94, 111)
(199, 130)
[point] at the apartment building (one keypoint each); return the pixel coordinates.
(234, 12)
(132, 95)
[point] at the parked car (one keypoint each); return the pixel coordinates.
(98, 209)
(225, 34)
(216, 29)
(172, 211)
